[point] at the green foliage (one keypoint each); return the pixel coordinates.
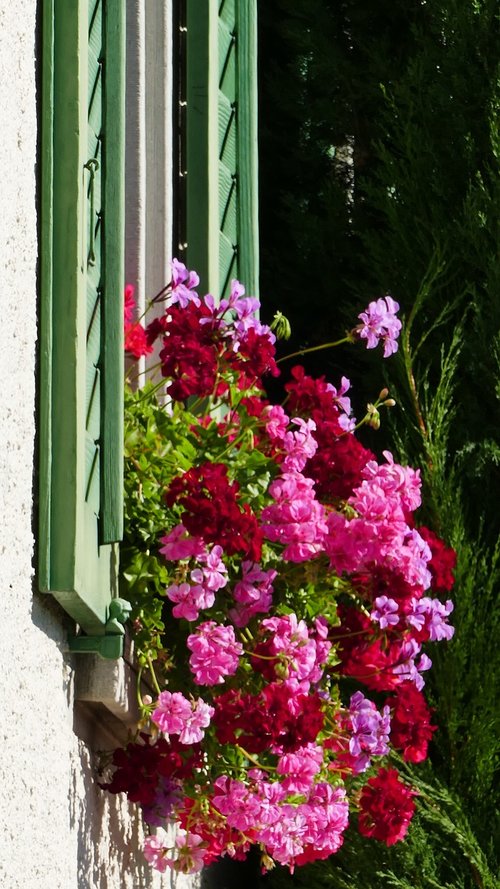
(161, 442)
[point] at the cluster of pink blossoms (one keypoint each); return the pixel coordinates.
(175, 715)
(295, 560)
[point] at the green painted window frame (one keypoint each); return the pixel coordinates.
(78, 533)
(222, 143)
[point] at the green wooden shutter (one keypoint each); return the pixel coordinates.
(222, 187)
(82, 223)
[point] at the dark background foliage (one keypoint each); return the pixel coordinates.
(379, 173)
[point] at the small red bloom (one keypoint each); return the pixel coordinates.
(411, 728)
(136, 343)
(442, 564)
(386, 807)
(139, 767)
(212, 510)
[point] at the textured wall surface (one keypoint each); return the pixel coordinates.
(57, 829)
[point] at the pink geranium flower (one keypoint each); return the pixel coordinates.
(215, 653)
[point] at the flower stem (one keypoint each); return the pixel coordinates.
(254, 760)
(153, 675)
(345, 339)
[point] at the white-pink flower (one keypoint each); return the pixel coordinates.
(190, 849)
(155, 850)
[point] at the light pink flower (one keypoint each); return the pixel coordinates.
(400, 481)
(254, 593)
(155, 849)
(299, 446)
(213, 575)
(189, 600)
(300, 767)
(379, 322)
(304, 654)
(172, 712)
(296, 518)
(175, 715)
(193, 731)
(276, 422)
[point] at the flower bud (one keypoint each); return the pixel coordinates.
(281, 326)
(383, 394)
(373, 417)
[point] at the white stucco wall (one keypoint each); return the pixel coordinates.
(57, 829)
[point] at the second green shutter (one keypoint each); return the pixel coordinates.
(222, 188)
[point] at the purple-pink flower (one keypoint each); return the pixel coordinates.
(379, 322)
(385, 613)
(183, 284)
(369, 731)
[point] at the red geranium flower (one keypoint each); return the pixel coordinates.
(212, 510)
(411, 728)
(442, 564)
(386, 807)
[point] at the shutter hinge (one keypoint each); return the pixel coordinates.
(110, 644)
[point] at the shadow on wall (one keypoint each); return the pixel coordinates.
(109, 835)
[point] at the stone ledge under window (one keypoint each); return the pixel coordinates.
(106, 709)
